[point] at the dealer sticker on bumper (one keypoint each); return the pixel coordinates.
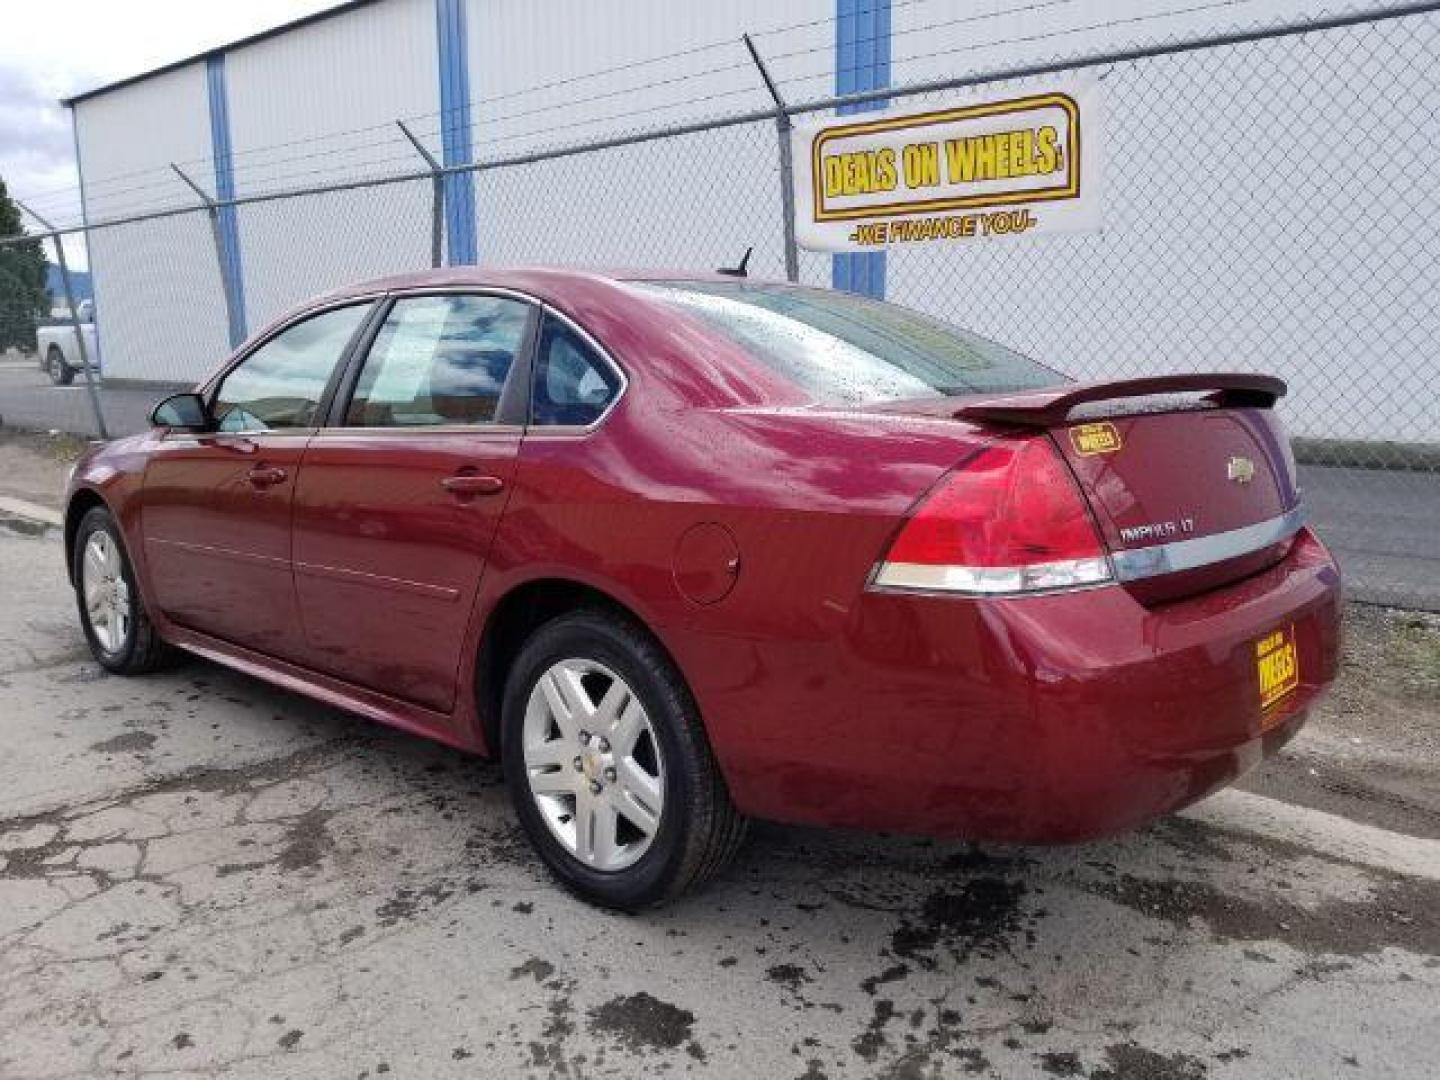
(1278, 662)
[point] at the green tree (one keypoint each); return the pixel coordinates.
(23, 295)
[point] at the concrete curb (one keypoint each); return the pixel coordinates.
(1320, 831)
(32, 511)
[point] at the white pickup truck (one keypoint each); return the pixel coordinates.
(59, 354)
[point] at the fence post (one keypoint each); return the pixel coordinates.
(232, 309)
(787, 165)
(92, 391)
(437, 197)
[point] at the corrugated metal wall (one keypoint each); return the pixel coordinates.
(160, 309)
(681, 205)
(1143, 295)
(318, 104)
(290, 95)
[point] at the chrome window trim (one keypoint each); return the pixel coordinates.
(419, 292)
(530, 430)
(425, 429)
(179, 434)
(211, 386)
(575, 430)
(505, 292)
(1136, 564)
(255, 433)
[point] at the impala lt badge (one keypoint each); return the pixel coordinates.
(1157, 530)
(1240, 469)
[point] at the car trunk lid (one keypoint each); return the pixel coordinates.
(1189, 477)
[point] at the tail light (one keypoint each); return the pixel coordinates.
(1011, 520)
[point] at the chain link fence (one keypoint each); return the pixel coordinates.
(1270, 204)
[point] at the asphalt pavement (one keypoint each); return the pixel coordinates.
(1384, 526)
(201, 875)
(29, 401)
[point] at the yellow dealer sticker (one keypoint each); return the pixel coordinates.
(1091, 439)
(1278, 663)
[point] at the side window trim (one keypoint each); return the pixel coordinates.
(358, 344)
(334, 412)
(211, 390)
(570, 430)
(514, 406)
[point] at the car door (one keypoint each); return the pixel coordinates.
(216, 507)
(399, 499)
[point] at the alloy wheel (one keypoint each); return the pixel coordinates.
(593, 764)
(106, 593)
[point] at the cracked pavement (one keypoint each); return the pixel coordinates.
(204, 876)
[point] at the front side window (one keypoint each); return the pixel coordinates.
(281, 383)
(851, 349)
(439, 360)
(573, 385)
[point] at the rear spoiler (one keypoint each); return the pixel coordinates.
(1051, 407)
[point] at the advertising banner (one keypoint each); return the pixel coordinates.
(1000, 166)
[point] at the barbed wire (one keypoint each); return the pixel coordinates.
(101, 188)
(534, 88)
(823, 73)
(252, 175)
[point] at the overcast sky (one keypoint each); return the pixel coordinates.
(54, 48)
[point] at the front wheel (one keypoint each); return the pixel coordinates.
(608, 765)
(112, 612)
(61, 373)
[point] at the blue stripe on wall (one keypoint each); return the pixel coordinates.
(225, 189)
(862, 62)
(455, 139)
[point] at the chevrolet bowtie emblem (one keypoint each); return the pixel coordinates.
(1240, 469)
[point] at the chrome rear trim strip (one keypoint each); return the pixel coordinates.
(1138, 563)
(993, 580)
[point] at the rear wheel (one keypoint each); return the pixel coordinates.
(608, 765)
(112, 612)
(61, 373)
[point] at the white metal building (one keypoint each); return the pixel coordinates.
(317, 102)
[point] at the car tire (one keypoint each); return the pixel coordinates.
(104, 586)
(696, 829)
(61, 373)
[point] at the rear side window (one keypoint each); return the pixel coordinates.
(280, 384)
(851, 349)
(439, 360)
(573, 384)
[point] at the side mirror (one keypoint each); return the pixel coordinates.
(183, 411)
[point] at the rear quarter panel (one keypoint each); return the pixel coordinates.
(811, 500)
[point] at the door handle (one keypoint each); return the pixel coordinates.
(471, 484)
(263, 476)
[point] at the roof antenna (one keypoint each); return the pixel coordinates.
(740, 270)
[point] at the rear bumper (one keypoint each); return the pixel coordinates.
(1045, 719)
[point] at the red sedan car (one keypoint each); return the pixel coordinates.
(687, 550)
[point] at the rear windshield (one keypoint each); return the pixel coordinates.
(846, 348)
